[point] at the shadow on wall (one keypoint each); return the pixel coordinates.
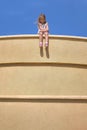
(46, 50)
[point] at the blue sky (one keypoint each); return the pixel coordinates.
(65, 17)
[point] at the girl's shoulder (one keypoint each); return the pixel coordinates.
(42, 24)
(39, 24)
(46, 23)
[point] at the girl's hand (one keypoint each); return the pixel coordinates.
(43, 30)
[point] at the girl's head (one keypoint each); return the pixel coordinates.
(42, 19)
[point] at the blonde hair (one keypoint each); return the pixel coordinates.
(42, 16)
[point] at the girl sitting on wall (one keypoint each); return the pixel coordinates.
(43, 29)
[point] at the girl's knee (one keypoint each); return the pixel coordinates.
(40, 33)
(46, 33)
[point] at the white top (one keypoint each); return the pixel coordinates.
(43, 26)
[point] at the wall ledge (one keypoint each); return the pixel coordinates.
(30, 36)
(42, 97)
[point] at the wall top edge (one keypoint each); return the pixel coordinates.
(36, 36)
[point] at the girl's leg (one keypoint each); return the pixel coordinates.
(40, 39)
(46, 39)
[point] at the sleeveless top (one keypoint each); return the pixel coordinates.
(42, 26)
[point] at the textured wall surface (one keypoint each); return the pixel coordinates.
(59, 70)
(29, 74)
(43, 116)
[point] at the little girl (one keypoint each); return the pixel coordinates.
(43, 30)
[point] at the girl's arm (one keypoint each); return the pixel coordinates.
(43, 30)
(47, 28)
(39, 26)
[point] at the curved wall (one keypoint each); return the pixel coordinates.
(43, 89)
(27, 70)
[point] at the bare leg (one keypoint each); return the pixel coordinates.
(46, 38)
(41, 39)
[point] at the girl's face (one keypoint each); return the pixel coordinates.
(42, 20)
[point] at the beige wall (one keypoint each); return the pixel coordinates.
(23, 70)
(59, 72)
(43, 116)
